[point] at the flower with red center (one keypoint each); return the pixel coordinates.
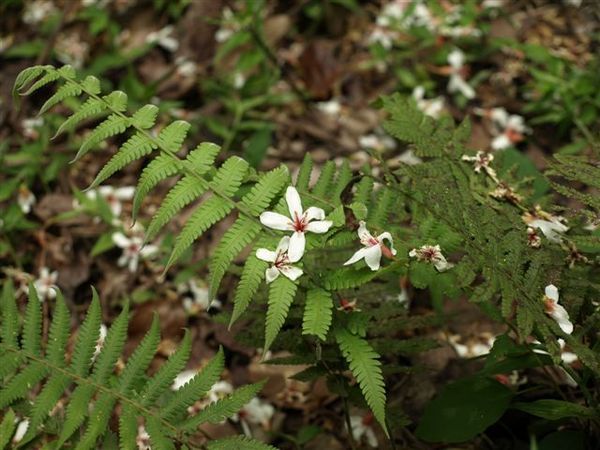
(556, 311)
(347, 305)
(299, 222)
(113, 196)
(552, 226)
(133, 248)
(45, 285)
(281, 261)
(432, 254)
(533, 239)
(373, 249)
(25, 199)
(480, 161)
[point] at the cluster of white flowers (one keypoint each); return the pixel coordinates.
(291, 249)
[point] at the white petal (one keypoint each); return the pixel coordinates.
(371, 438)
(551, 229)
(133, 263)
(115, 208)
(148, 250)
(293, 201)
(266, 255)
(283, 245)
(293, 273)
(121, 240)
(297, 244)
(561, 316)
(387, 236)
(123, 260)
(373, 257)
(413, 253)
(501, 142)
(552, 292)
(125, 193)
(319, 226)
(441, 264)
(314, 213)
(360, 254)
(276, 221)
(363, 233)
(271, 274)
(105, 191)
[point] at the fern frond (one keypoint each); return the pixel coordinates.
(323, 184)
(238, 443)
(202, 158)
(91, 107)
(145, 117)
(228, 178)
(159, 169)
(7, 428)
(10, 315)
(32, 325)
(317, 314)
(158, 438)
(252, 275)
(172, 136)
(281, 295)
(304, 174)
(67, 90)
(366, 368)
(114, 124)
(241, 233)
(268, 187)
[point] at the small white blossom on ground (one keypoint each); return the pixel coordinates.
(22, 427)
(133, 248)
(408, 157)
(229, 26)
(512, 379)
(431, 107)
(382, 36)
(113, 196)
(480, 161)
(143, 439)
(472, 348)
(432, 254)
(490, 4)
(45, 285)
(164, 38)
(71, 49)
(457, 70)
(25, 199)
(509, 128)
(199, 300)
(299, 222)
(556, 311)
(239, 80)
(30, 126)
(255, 412)
(185, 67)
(183, 378)
(37, 11)
(362, 426)
(552, 226)
(219, 390)
(373, 248)
(281, 261)
(331, 107)
(348, 306)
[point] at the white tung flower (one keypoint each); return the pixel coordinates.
(256, 412)
(432, 254)
(25, 199)
(143, 439)
(219, 390)
(113, 196)
(373, 249)
(299, 222)
(37, 11)
(552, 226)
(164, 38)
(281, 261)
(457, 83)
(361, 426)
(430, 107)
(556, 311)
(331, 107)
(45, 285)
(133, 248)
(379, 142)
(30, 126)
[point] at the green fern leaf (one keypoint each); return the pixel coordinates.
(69, 89)
(50, 76)
(20, 385)
(172, 136)
(91, 107)
(26, 76)
(182, 194)
(158, 439)
(112, 347)
(134, 148)
(111, 126)
(145, 117)
(160, 168)
(202, 158)
(281, 295)
(268, 187)
(7, 428)
(382, 206)
(342, 180)
(32, 325)
(317, 315)
(303, 178)
(87, 339)
(322, 187)
(366, 368)
(252, 275)
(364, 188)
(9, 332)
(222, 409)
(237, 443)
(228, 178)
(194, 389)
(206, 215)
(241, 233)
(116, 100)
(128, 428)
(59, 332)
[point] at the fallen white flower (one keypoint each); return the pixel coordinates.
(556, 311)
(374, 248)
